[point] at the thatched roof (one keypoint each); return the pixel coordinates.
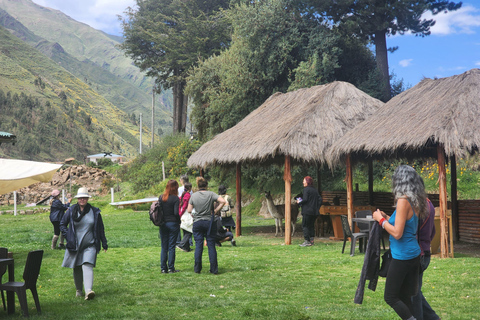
(442, 111)
(302, 123)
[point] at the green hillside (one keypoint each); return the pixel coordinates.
(89, 54)
(59, 115)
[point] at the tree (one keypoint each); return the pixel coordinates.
(276, 47)
(166, 38)
(375, 19)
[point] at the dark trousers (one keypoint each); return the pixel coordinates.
(168, 235)
(185, 243)
(421, 307)
(200, 232)
(56, 227)
(401, 285)
(308, 226)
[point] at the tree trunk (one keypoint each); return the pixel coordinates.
(380, 42)
(179, 107)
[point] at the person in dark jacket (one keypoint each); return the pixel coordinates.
(82, 226)
(57, 210)
(170, 230)
(310, 203)
(421, 308)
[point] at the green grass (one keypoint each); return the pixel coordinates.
(259, 279)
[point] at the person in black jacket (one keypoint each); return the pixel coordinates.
(82, 226)
(170, 230)
(57, 210)
(310, 203)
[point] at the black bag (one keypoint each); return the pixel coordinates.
(156, 213)
(386, 260)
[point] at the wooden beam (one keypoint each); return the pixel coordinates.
(349, 181)
(453, 198)
(287, 176)
(442, 184)
(370, 182)
(238, 204)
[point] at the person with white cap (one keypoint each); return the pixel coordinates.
(57, 209)
(82, 225)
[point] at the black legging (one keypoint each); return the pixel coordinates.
(308, 226)
(401, 285)
(56, 227)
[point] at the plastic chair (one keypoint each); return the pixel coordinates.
(30, 275)
(3, 269)
(364, 227)
(347, 233)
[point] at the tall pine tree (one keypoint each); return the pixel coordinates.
(375, 19)
(166, 38)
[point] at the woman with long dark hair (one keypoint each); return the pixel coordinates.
(169, 231)
(411, 204)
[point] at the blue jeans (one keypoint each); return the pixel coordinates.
(168, 235)
(421, 308)
(200, 232)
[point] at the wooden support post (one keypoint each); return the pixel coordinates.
(442, 184)
(349, 181)
(453, 198)
(238, 204)
(319, 179)
(370, 182)
(287, 176)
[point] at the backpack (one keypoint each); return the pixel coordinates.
(156, 213)
(225, 211)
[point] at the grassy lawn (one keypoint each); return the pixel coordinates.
(259, 279)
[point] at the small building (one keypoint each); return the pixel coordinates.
(114, 157)
(6, 137)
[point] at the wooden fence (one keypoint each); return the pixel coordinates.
(468, 210)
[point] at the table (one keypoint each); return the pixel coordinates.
(11, 278)
(370, 222)
(335, 212)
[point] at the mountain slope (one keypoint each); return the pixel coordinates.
(77, 109)
(115, 76)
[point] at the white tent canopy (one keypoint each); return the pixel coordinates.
(16, 174)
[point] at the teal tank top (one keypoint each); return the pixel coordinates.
(407, 246)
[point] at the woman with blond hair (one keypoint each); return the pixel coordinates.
(169, 231)
(411, 205)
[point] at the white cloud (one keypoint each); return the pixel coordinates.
(405, 62)
(99, 14)
(464, 20)
(477, 63)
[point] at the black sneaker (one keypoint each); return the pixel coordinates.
(234, 243)
(164, 271)
(173, 271)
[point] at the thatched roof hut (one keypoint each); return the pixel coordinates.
(295, 126)
(435, 118)
(302, 124)
(434, 112)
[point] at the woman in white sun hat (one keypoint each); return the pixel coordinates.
(82, 226)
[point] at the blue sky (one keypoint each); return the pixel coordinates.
(452, 48)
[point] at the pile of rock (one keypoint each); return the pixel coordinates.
(82, 176)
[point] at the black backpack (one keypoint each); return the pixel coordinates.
(156, 213)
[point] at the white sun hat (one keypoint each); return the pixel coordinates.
(82, 193)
